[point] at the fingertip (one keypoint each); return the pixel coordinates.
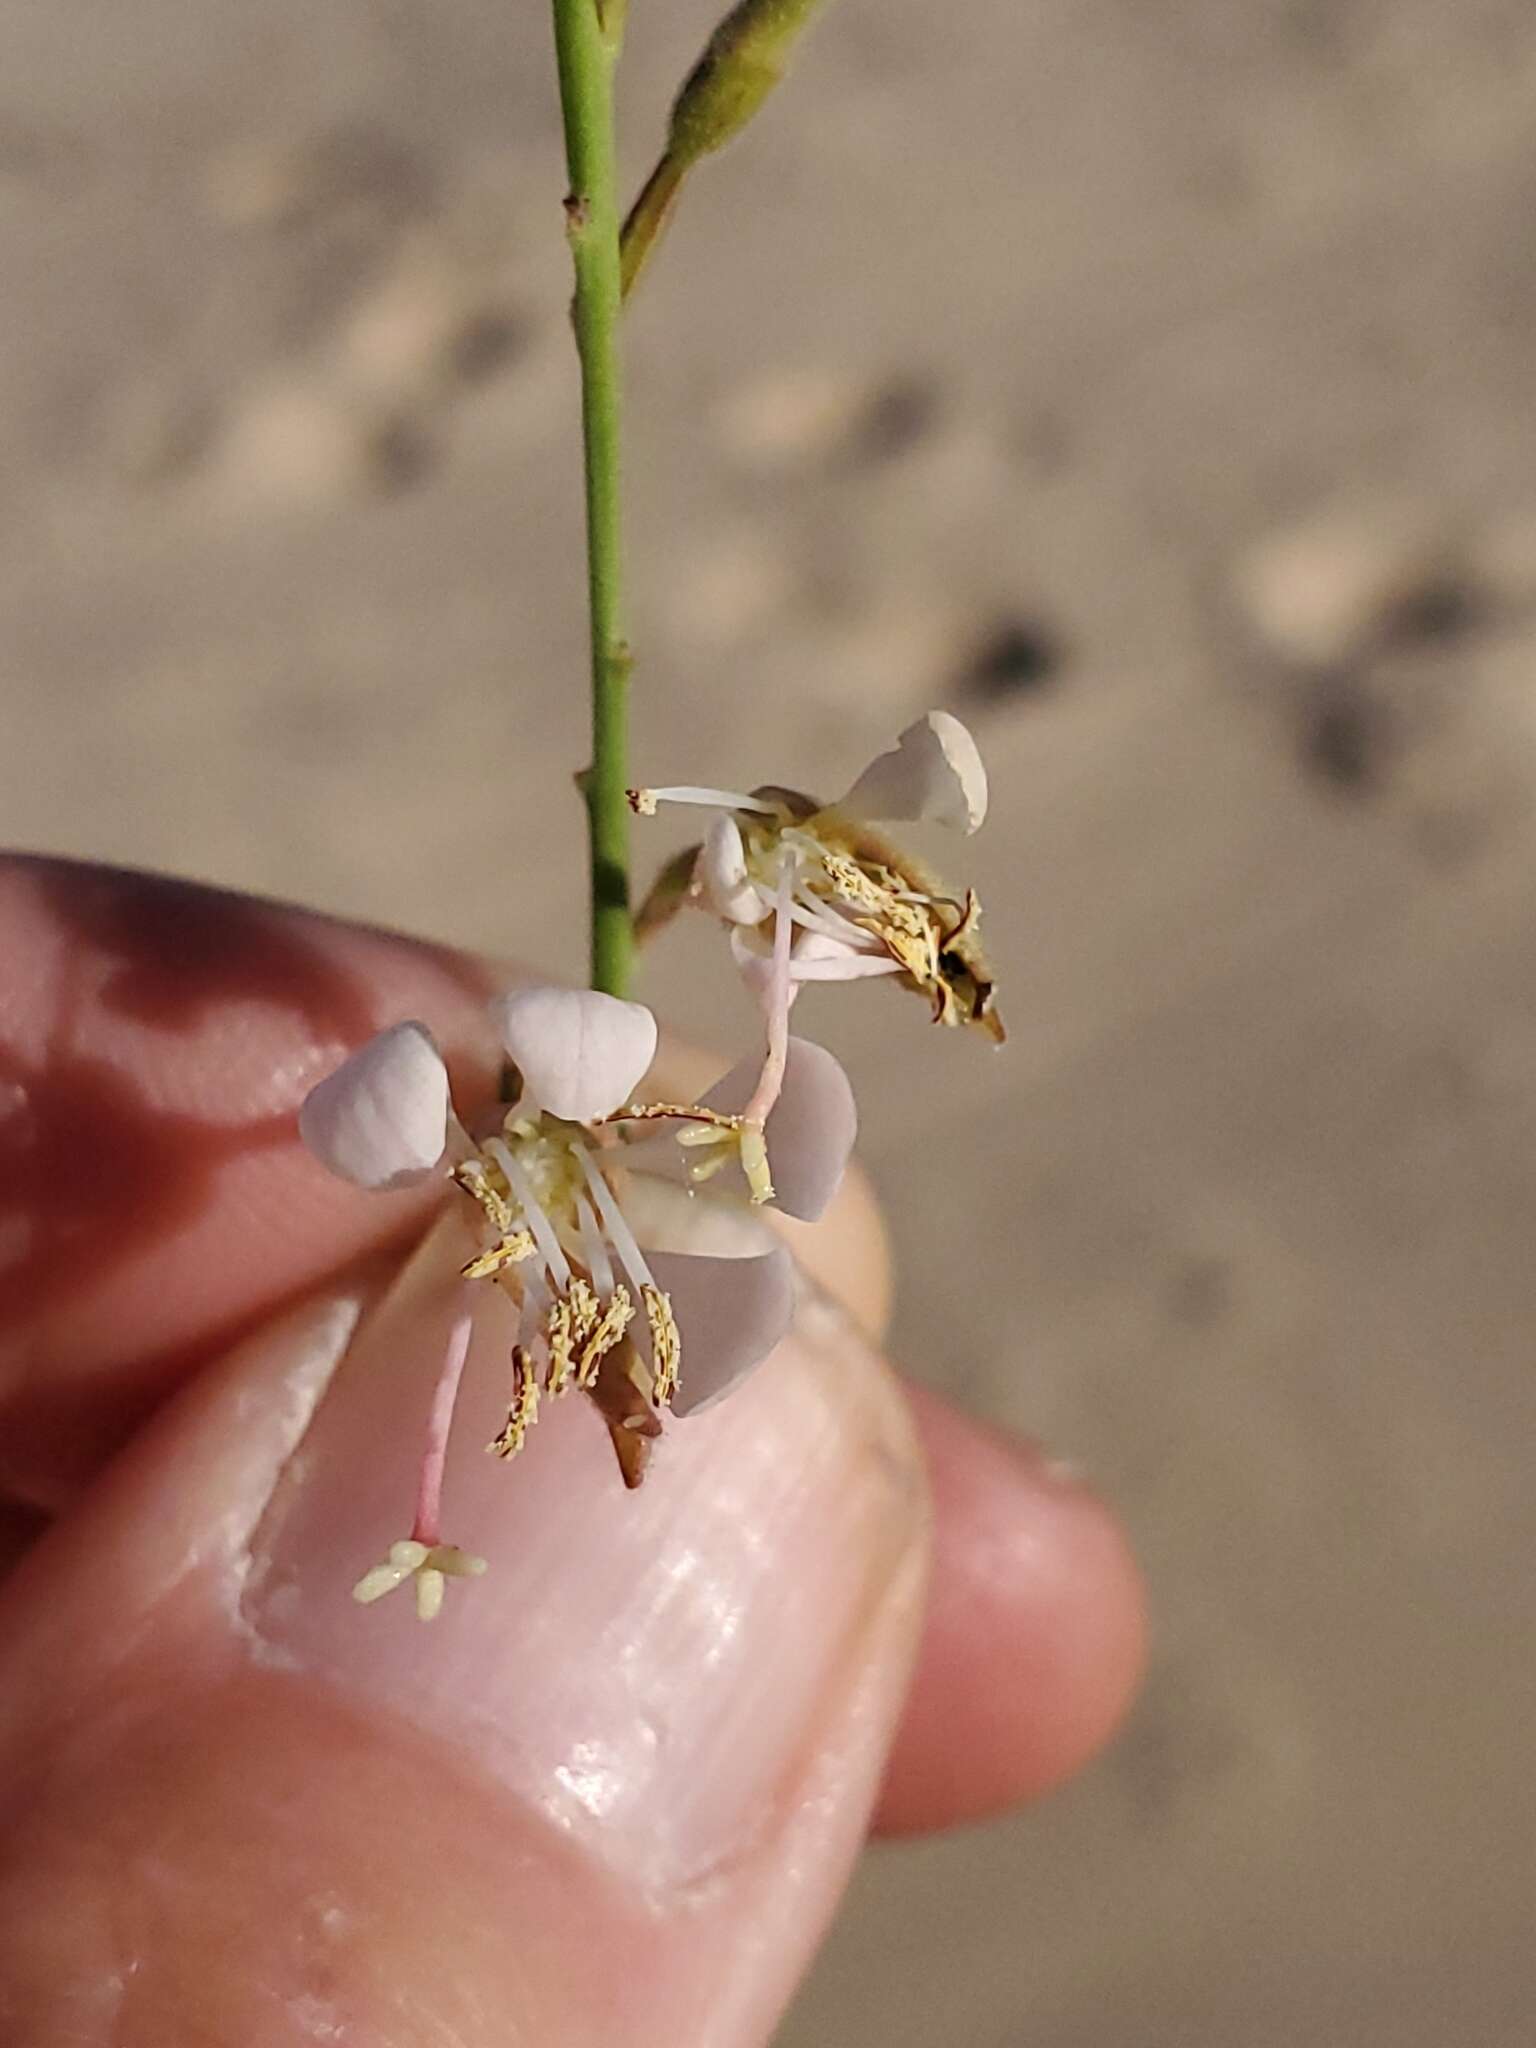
(156, 1038)
(1035, 1638)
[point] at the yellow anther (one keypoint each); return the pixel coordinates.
(642, 802)
(511, 1251)
(666, 1345)
(560, 1329)
(607, 1331)
(851, 882)
(581, 1330)
(915, 951)
(525, 1406)
(475, 1177)
(692, 1114)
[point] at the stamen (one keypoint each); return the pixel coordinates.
(851, 967)
(524, 1407)
(850, 882)
(660, 1112)
(643, 802)
(560, 1328)
(530, 1322)
(511, 1251)
(619, 1234)
(831, 924)
(794, 839)
(533, 1215)
(472, 1177)
(593, 1250)
(915, 951)
(607, 1331)
(666, 1345)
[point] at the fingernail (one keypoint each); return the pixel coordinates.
(647, 1669)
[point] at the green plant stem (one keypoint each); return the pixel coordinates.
(587, 37)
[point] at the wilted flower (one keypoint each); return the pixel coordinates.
(562, 1186)
(820, 884)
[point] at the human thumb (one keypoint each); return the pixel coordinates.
(609, 1796)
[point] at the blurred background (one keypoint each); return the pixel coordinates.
(1156, 388)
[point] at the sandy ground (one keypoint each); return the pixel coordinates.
(1157, 386)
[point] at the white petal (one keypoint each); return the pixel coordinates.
(381, 1120)
(581, 1053)
(810, 1130)
(669, 1216)
(730, 1315)
(934, 771)
(721, 872)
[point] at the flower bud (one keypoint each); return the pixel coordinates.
(743, 61)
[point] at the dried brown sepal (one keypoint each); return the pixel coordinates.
(620, 1395)
(672, 888)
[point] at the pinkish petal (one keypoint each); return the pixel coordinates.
(730, 1315)
(381, 1119)
(721, 872)
(810, 1131)
(581, 1053)
(667, 1214)
(818, 957)
(934, 771)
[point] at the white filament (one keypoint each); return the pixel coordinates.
(710, 799)
(544, 1234)
(619, 1234)
(593, 1250)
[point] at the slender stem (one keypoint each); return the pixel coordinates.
(647, 219)
(587, 37)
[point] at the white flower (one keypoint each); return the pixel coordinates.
(814, 892)
(554, 1180)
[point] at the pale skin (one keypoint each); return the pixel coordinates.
(204, 1841)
